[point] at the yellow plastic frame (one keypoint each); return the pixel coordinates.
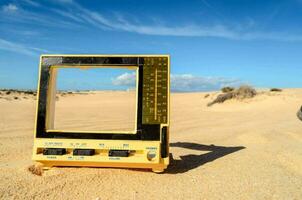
(142, 149)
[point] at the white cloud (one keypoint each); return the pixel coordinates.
(20, 48)
(122, 24)
(183, 82)
(32, 3)
(12, 13)
(14, 47)
(126, 79)
(76, 16)
(64, 1)
(68, 15)
(189, 30)
(191, 83)
(10, 8)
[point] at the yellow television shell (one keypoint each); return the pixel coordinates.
(143, 153)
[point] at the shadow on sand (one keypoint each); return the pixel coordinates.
(189, 162)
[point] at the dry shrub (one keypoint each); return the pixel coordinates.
(299, 114)
(36, 169)
(243, 92)
(30, 92)
(12, 91)
(206, 96)
(276, 90)
(222, 98)
(227, 89)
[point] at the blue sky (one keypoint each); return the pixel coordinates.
(211, 43)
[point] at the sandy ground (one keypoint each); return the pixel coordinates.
(105, 111)
(236, 150)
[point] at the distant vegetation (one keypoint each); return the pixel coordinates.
(15, 94)
(299, 114)
(243, 92)
(9, 91)
(227, 89)
(276, 90)
(206, 96)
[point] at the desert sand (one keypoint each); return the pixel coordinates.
(250, 149)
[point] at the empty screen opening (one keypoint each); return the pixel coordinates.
(96, 100)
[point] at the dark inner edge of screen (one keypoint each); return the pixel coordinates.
(150, 132)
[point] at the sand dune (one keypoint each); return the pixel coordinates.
(249, 149)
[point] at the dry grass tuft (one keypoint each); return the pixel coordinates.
(222, 98)
(206, 96)
(276, 90)
(227, 89)
(36, 169)
(299, 114)
(243, 92)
